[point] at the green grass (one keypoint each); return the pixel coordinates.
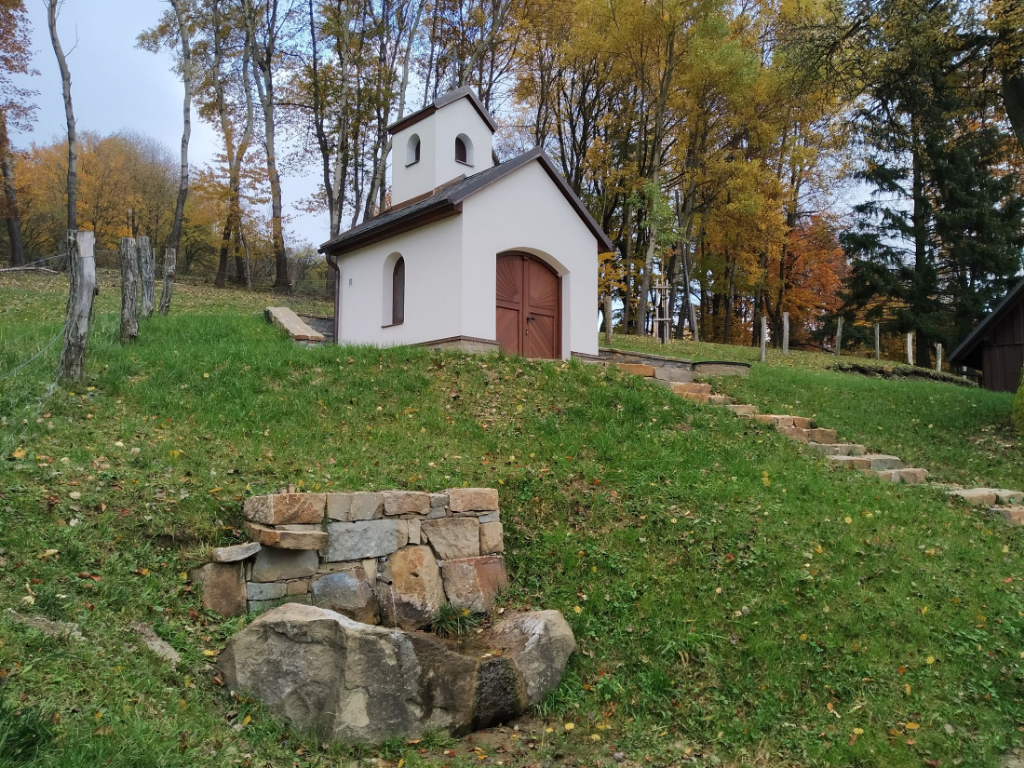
(735, 601)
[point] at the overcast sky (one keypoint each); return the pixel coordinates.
(117, 86)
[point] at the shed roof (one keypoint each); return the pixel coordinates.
(442, 101)
(447, 201)
(965, 354)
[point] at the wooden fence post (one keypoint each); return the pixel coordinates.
(146, 274)
(83, 288)
(764, 338)
(839, 337)
(129, 291)
(785, 333)
(938, 357)
(170, 266)
(878, 342)
(910, 348)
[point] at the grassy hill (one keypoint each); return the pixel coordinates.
(735, 600)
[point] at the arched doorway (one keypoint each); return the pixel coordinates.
(529, 307)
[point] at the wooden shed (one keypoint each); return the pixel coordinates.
(996, 346)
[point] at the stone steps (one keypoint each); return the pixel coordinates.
(876, 461)
(783, 420)
(839, 449)
(812, 435)
(1012, 515)
(907, 475)
(743, 410)
(988, 497)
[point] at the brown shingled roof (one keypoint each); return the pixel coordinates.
(447, 202)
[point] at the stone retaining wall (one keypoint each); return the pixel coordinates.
(390, 557)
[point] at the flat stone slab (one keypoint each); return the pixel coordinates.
(1013, 515)
(775, 419)
(987, 497)
(406, 502)
(286, 509)
(906, 475)
(287, 537)
(743, 410)
(365, 539)
(472, 499)
(721, 400)
(877, 461)
(235, 552)
(294, 326)
(839, 449)
(692, 388)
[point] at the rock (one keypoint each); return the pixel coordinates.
(285, 508)
(1012, 515)
(474, 582)
(1009, 497)
(350, 507)
(365, 539)
(409, 588)
(349, 593)
(490, 517)
(270, 591)
(323, 672)
(436, 513)
(222, 587)
(46, 626)
(439, 500)
(235, 552)
(492, 538)
(280, 565)
(283, 538)
(297, 587)
(539, 643)
(406, 502)
(414, 532)
(978, 497)
(156, 644)
(473, 499)
(453, 538)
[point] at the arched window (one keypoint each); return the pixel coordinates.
(398, 293)
(463, 149)
(412, 150)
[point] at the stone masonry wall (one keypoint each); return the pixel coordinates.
(390, 557)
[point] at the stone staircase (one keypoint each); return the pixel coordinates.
(1007, 504)
(803, 430)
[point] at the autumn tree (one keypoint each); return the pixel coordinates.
(16, 111)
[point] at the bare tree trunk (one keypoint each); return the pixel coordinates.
(83, 289)
(170, 260)
(608, 318)
(147, 276)
(10, 202)
(174, 241)
(52, 7)
(129, 291)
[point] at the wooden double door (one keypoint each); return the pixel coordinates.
(529, 307)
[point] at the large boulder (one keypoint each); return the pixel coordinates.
(352, 682)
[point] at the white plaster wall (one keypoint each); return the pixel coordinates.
(449, 121)
(412, 180)
(433, 283)
(525, 211)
